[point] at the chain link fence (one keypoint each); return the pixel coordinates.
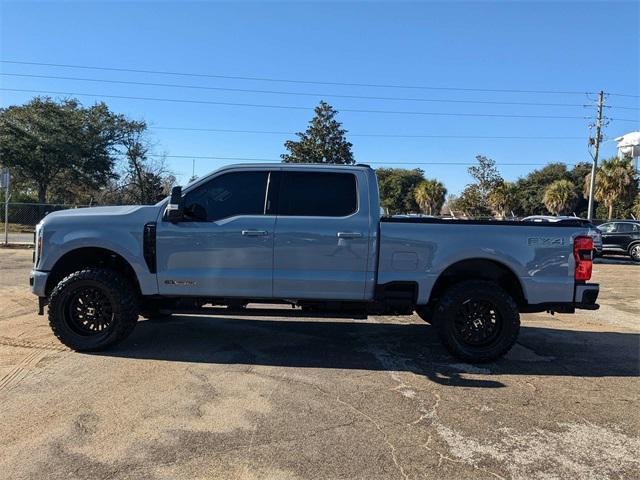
(22, 218)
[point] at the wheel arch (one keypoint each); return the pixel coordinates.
(85, 257)
(631, 245)
(479, 269)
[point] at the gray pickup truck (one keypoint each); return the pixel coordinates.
(307, 236)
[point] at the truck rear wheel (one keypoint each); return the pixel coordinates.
(477, 321)
(92, 309)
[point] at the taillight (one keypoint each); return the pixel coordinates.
(583, 253)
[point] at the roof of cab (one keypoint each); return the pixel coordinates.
(358, 166)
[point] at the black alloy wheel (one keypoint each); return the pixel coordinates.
(478, 322)
(89, 311)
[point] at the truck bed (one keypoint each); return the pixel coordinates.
(540, 255)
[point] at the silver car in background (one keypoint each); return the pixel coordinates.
(593, 232)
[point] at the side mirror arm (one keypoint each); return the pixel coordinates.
(175, 208)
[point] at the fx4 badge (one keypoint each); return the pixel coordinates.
(189, 283)
(546, 242)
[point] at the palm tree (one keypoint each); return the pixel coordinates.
(502, 198)
(429, 195)
(612, 180)
(559, 196)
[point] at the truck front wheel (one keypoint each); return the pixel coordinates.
(477, 321)
(92, 309)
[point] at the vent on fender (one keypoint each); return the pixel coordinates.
(149, 246)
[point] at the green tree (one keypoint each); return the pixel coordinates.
(577, 176)
(635, 208)
(503, 198)
(475, 197)
(486, 174)
(323, 142)
(530, 189)
(472, 202)
(60, 144)
(430, 195)
(616, 185)
(397, 186)
(560, 196)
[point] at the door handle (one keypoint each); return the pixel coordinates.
(349, 235)
(254, 233)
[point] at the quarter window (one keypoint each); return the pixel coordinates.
(318, 194)
(228, 195)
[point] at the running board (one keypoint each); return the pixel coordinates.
(267, 312)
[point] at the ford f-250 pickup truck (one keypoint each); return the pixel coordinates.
(307, 236)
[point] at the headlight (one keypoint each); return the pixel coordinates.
(38, 245)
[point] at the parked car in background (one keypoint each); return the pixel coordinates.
(594, 232)
(621, 236)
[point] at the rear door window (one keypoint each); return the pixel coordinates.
(624, 228)
(318, 194)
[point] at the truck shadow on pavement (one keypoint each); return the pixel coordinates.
(377, 347)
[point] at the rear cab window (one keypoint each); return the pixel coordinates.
(318, 194)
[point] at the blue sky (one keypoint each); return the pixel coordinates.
(572, 46)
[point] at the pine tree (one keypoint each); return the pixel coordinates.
(323, 142)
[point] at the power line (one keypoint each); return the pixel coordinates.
(292, 107)
(622, 108)
(283, 80)
(622, 120)
(623, 95)
(304, 94)
(375, 135)
(391, 162)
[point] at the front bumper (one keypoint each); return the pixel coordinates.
(38, 282)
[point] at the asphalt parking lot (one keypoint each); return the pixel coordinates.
(215, 397)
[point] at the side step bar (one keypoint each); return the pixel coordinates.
(267, 312)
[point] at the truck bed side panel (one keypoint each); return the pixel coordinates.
(541, 257)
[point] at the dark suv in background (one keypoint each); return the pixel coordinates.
(621, 236)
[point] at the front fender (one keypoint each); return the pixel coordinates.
(127, 244)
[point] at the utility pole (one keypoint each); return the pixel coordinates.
(4, 183)
(596, 148)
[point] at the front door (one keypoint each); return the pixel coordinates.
(322, 236)
(224, 248)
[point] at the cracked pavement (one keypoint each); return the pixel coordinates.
(246, 398)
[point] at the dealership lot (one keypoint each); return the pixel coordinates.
(216, 397)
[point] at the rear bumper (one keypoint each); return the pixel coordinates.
(586, 295)
(585, 298)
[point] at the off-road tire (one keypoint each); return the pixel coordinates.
(448, 310)
(121, 299)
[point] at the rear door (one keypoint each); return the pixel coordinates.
(322, 235)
